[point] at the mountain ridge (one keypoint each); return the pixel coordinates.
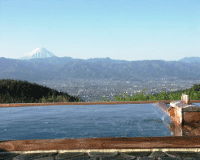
(67, 67)
(41, 52)
(190, 59)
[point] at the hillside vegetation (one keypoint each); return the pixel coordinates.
(193, 92)
(16, 91)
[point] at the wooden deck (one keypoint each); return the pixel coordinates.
(101, 143)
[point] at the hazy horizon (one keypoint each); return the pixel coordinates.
(101, 57)
(121, 30)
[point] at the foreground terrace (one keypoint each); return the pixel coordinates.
(174, 147)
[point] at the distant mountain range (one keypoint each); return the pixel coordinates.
(49, 67)
(190, 60)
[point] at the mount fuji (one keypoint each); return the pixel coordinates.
(38, 53)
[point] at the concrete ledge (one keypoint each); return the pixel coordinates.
(162, 106)
(106, 150)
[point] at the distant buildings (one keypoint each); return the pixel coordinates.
(93, 90)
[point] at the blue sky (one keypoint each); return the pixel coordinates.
(119, 29)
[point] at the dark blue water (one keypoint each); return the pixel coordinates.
(77, 121)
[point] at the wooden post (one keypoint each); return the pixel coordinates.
(185, 99)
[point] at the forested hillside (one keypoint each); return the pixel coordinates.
(193, 92)
(16, 91)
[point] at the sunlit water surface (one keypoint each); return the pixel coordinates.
(78, 121)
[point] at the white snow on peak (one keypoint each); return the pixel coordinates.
(38, 53)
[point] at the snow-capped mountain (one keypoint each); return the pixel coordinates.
(38, 53)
